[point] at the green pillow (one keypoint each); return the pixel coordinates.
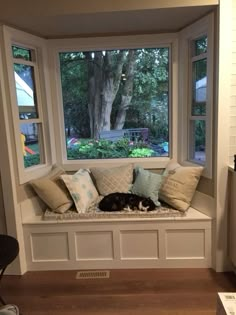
(147, 184)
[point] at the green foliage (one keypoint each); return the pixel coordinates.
(200, 46)
(102, 149)
(31, 160)
(141, 152)
(74, 78)
(24, 71)
(21, 53)
(149, 104)
(200, 131)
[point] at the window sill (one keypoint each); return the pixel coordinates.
(206, 172)
(147, 163)
(29, 174)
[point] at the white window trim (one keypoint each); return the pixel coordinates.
(125, 42)
(22, 39)
(205, 26)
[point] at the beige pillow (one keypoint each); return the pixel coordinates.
(52, 190)
(179, 185)
(116, 179)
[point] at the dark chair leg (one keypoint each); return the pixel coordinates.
(1, 274)
(2, 301)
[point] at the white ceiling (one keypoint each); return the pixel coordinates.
(58, 25)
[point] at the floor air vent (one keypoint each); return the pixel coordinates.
(94, 274)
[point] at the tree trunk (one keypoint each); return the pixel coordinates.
(94, 92)
(111, 81)
(104, 76)
(127, 92)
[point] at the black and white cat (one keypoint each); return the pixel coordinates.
(126, 201)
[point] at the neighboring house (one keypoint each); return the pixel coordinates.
(25, 97)
(201, 90)
(25, 100)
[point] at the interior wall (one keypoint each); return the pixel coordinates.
(232, 149)
(3, 228)
(222, 139)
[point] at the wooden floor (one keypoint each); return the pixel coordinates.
(133, 292)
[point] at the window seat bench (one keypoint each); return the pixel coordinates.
(119, 242)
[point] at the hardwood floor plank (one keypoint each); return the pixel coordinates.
(149, 292)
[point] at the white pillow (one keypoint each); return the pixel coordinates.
(81, 188)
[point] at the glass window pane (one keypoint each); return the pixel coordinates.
(199, 87)
(25, 91)
(116, 103)
(31, 144)
(200, 46)
(21, 53)
(198, 134)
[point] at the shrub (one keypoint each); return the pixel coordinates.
(105, 149)
(31, 160)
(142, 152)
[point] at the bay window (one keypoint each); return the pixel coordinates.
(116, 102)
(25, 55)
(27, 95)
(196, 99)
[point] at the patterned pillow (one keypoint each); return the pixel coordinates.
(147, 184)
(179, 185)
(81, 188)
(52, 191)
(116, 179)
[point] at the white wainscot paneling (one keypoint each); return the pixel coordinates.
(181, 242)
(49, 246)
(233, 118)
(94, 245)
(233, 99)
(139, 245)
(185, 244)
(232, 140)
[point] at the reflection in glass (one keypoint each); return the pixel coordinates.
(31, 144)
(25, 91)
(198, 132)
(21, 53)
(199, 88)
(200, 46)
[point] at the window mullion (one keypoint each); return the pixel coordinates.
(199, 57)
(191, 117)
(23, 62)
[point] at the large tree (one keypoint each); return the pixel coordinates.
(127, 91)
(104, 76)
(101, 88)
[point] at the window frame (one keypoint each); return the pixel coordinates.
(14, 37)
(203, 27)
(191, 117)
(112, 43)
